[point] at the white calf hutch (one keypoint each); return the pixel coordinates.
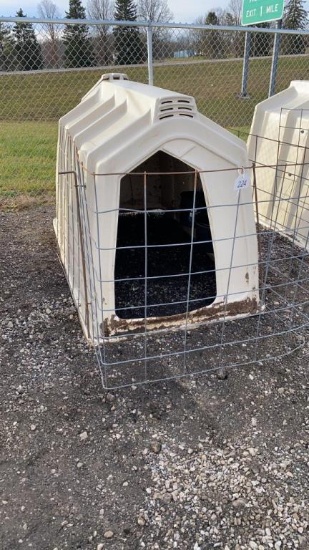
(151, 231)
(279, 146)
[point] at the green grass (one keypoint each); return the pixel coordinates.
(27, 160)
(241, 131)
(48, 96)
(31, 105)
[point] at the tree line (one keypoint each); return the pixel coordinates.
(81, 45)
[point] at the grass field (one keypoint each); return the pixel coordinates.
(27, 161)
(31, 105)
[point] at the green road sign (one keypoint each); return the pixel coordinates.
(261, 11)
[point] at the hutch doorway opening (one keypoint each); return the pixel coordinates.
(165, 262)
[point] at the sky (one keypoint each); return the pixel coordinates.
(184, 11)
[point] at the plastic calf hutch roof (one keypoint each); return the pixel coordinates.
(122, 129)
(279, 145)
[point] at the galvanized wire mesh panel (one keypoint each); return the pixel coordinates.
(177, 271)
(158, 274)
(168, 322)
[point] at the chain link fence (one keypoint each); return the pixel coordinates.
(47, 66)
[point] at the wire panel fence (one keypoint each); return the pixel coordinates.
(171, 320)
(47, 66)
(177, 277)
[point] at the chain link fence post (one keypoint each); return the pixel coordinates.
(149, 54)
(274, 63)
(245, 69)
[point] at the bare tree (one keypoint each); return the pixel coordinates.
(102, 10)
(232, 17)
(234, 10)
(209, 43)
(48, 10)
(157, 11)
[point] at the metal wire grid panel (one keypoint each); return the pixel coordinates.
(166, 268)
(45, 71)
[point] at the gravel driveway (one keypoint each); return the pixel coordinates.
(217, 462)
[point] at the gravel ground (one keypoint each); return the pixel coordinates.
(216, 462)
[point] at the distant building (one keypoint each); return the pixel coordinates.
(184, 53)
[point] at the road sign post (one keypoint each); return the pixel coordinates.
(274, 62)
(255, 12)
(245, 67)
